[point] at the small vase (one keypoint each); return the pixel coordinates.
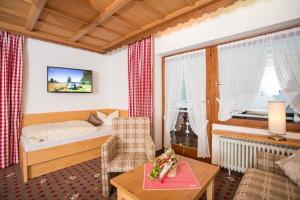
(172, 172)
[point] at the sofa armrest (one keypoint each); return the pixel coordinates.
(149, 148)
(109, 150)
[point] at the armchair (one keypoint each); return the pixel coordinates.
(129, 146)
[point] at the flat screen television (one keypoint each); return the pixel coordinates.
(69, 80)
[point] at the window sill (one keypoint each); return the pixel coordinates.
(257, 138)
(262, 124)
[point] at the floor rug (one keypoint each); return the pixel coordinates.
(81, 182)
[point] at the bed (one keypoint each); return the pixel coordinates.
(48, 156)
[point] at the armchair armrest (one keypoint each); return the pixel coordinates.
(149, 148)
(108, 150)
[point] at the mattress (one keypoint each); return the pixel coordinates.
(101, 131)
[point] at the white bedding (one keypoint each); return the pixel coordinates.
(29, 146)
(59, 130)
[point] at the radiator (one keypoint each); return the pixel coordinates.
(238, 155)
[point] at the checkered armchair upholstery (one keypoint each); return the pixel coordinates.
(129, 146)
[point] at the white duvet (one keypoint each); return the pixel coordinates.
(54, 131)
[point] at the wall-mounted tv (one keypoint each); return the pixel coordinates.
(69, 80)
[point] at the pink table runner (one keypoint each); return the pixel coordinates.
(184, 179)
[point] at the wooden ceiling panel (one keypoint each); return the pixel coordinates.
(100, 5)
(58, 20)
(99, 25)
(12, 19)
(93, 41)
(104, 33)
(15, 7)
(80, 9)
(165, 7)
(51, 29)
(141, 17)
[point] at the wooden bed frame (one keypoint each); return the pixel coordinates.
(43, 161)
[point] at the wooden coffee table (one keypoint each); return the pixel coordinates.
(130, 185)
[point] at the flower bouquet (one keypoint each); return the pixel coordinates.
(164, 165)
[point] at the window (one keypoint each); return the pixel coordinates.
(269, 91)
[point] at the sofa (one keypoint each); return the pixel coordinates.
(267, 181)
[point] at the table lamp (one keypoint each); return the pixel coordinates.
(277, 120)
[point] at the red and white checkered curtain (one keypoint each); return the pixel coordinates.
(11, 67)
(140, 70)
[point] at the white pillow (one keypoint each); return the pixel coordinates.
(291, 167)
(107, 119)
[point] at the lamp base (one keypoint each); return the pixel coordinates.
(277, 138)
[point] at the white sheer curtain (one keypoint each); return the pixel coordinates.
(286, 54)
(173, 86)
(241, 66)
(191, 68)
(195, 83)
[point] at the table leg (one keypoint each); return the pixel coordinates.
(121, 195)
(210, 190)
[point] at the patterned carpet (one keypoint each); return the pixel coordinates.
(80, 182)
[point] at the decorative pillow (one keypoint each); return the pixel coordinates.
(93, 119)
(291, 167)
(107, 119)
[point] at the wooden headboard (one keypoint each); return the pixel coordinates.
(40, 118)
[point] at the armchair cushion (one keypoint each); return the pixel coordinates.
(131, 133)
(124, 162)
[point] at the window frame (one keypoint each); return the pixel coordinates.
(214, 106)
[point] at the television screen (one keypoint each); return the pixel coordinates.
(67, 80)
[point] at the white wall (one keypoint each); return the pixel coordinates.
(242, 19)
(39, 55)
(119, 78)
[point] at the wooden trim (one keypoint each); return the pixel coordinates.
(39, 118)
(163, 103)
(109, 11)
(34, 14)
(208, 97)
(257, 138)
(23, 162)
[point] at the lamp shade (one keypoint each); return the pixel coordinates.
(277, 117)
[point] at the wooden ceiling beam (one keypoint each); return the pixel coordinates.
(34, 14)
(149, 7)
(47, 37)
(189, 2)
(60, 14)
(109, 11)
